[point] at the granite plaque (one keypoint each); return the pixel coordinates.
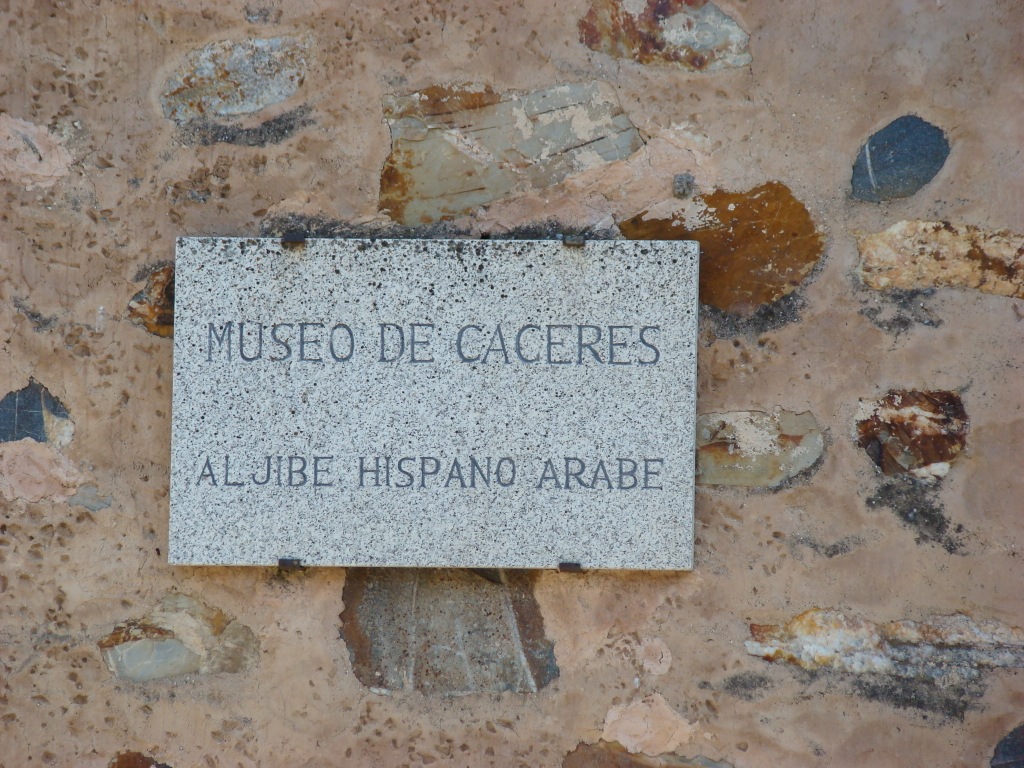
(465, 403)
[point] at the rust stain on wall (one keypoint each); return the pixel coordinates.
(909, 431)
(153, 306)
(755, 247)
(134, 760)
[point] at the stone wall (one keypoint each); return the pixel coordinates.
(854, 174)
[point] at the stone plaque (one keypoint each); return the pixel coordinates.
(465, 403)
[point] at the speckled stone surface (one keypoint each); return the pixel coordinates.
(565, 437)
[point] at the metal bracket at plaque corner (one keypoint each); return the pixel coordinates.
(570, 568)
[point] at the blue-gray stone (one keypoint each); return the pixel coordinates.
(899, 159)
(23, 413)
(1010, 751)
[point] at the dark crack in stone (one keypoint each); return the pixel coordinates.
(747, 685)
(322, 226)
(897, 311)
(913, 432)
(899, 159)
(843, 546)
(693, 34)
(445, 632)
(917, 506)
(203, 132)
(756, 247)
(921, 693)
(32, 412)
(1009, 751)
(153, 306)
(40, 322)
(610, 754)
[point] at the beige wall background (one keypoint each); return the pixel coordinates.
(96, 185)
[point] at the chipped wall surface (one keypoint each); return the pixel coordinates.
(893, 542)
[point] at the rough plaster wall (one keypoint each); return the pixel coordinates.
(822, 78)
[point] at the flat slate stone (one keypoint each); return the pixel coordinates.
(899, 159)
(482, 404)
(32, 412)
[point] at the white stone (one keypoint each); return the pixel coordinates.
(417, 416)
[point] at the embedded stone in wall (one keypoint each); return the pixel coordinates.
(33, 471)
(755, 247)
(445, 631)
(30, 155)
(683, 185)
(182, 636)
(899, 159)
(32, 412)
(1009, 752)
(153, 306)
(606, 754)
(231, 78)
(134, 760)
(940, 647)
(754, 448)
(936, 254)
(909, 431)
(88, 497)
(649, 725)
(694, 34)
(456, 148)
(34, 426)
(227, 80)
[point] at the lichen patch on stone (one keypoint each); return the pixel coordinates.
(756, 247)
(936, 254)
(231, 78)
(457, 148)
(693, 34)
